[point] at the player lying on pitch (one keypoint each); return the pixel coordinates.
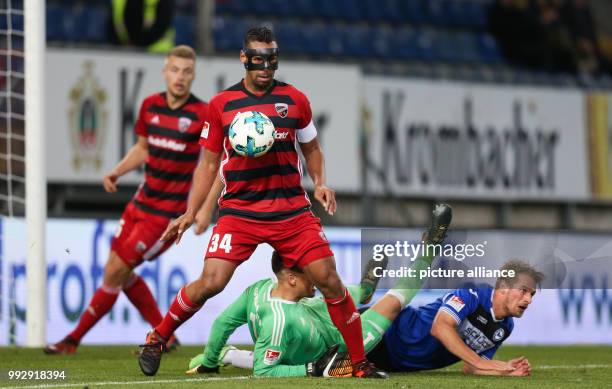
(292, 331)
(467, 324)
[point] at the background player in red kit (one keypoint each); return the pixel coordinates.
(263, 202)
(168, 129)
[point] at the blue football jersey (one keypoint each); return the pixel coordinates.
(411, 347)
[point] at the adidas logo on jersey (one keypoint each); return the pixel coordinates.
(155, 120)
(354, 317)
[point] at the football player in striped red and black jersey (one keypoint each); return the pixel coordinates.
(263, 202)
(168, 129)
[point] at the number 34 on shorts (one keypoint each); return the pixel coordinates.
(223, 242)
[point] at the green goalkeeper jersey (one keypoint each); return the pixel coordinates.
(287, 335)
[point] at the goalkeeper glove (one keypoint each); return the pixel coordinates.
(330, 364)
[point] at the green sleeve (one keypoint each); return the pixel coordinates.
(270, 353)
(224, 325)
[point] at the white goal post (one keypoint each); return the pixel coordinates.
(36, 178)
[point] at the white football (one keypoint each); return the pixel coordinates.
(251, 133)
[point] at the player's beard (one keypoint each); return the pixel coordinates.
(261, 85)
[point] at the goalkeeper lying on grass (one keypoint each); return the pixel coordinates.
(293, 333)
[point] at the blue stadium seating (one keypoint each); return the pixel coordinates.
(452, 31)
(95, 21)
(185, 28)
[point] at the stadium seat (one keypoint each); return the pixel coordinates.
(426, 48)
(290, 37)
(315, 39)
(404, 44)
(336, 43)
(55, 23)
(303, 8)
(185, 28)
(457, 13)
(358, 41)
(72, 29)
(228, 33)
(477, 14)
(232, 7)
(393, 11)
(326, 9)
(373, 10)
(438, 11)
(488, 49)
(415, 11)
(351, 10)
(95, 21)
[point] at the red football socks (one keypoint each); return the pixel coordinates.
(101, 302)
(140, 295)
(180, 310)
(345, 317)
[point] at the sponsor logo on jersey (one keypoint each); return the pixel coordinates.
(87, 120)
(141, 246)
(282, 109)
(167, 143)
(271, 357)
(456, 303)
(499, 334)
(155, 119)
(184, 124)
(474, 338)
(205, 128)
(281, 135)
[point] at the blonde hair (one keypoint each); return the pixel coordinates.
(182, 51)
(519, 267)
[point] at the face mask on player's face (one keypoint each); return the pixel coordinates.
(261, 58)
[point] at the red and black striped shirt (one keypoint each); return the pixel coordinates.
(269, 187)
(172, 137)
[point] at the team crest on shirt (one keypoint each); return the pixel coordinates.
(271, 357)
(282, 109)
(184, 124)
(499, 334)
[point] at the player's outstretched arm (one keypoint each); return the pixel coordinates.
(444, 328)
(204, 215)
(315, 163)
(224, 325)
(521, 365)
(135, 157)
(203, 178)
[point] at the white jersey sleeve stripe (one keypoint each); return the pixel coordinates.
(451, 313)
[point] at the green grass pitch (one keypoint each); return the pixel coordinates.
(117, 367)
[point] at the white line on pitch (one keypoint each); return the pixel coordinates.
(106, 383)
(550, 367)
